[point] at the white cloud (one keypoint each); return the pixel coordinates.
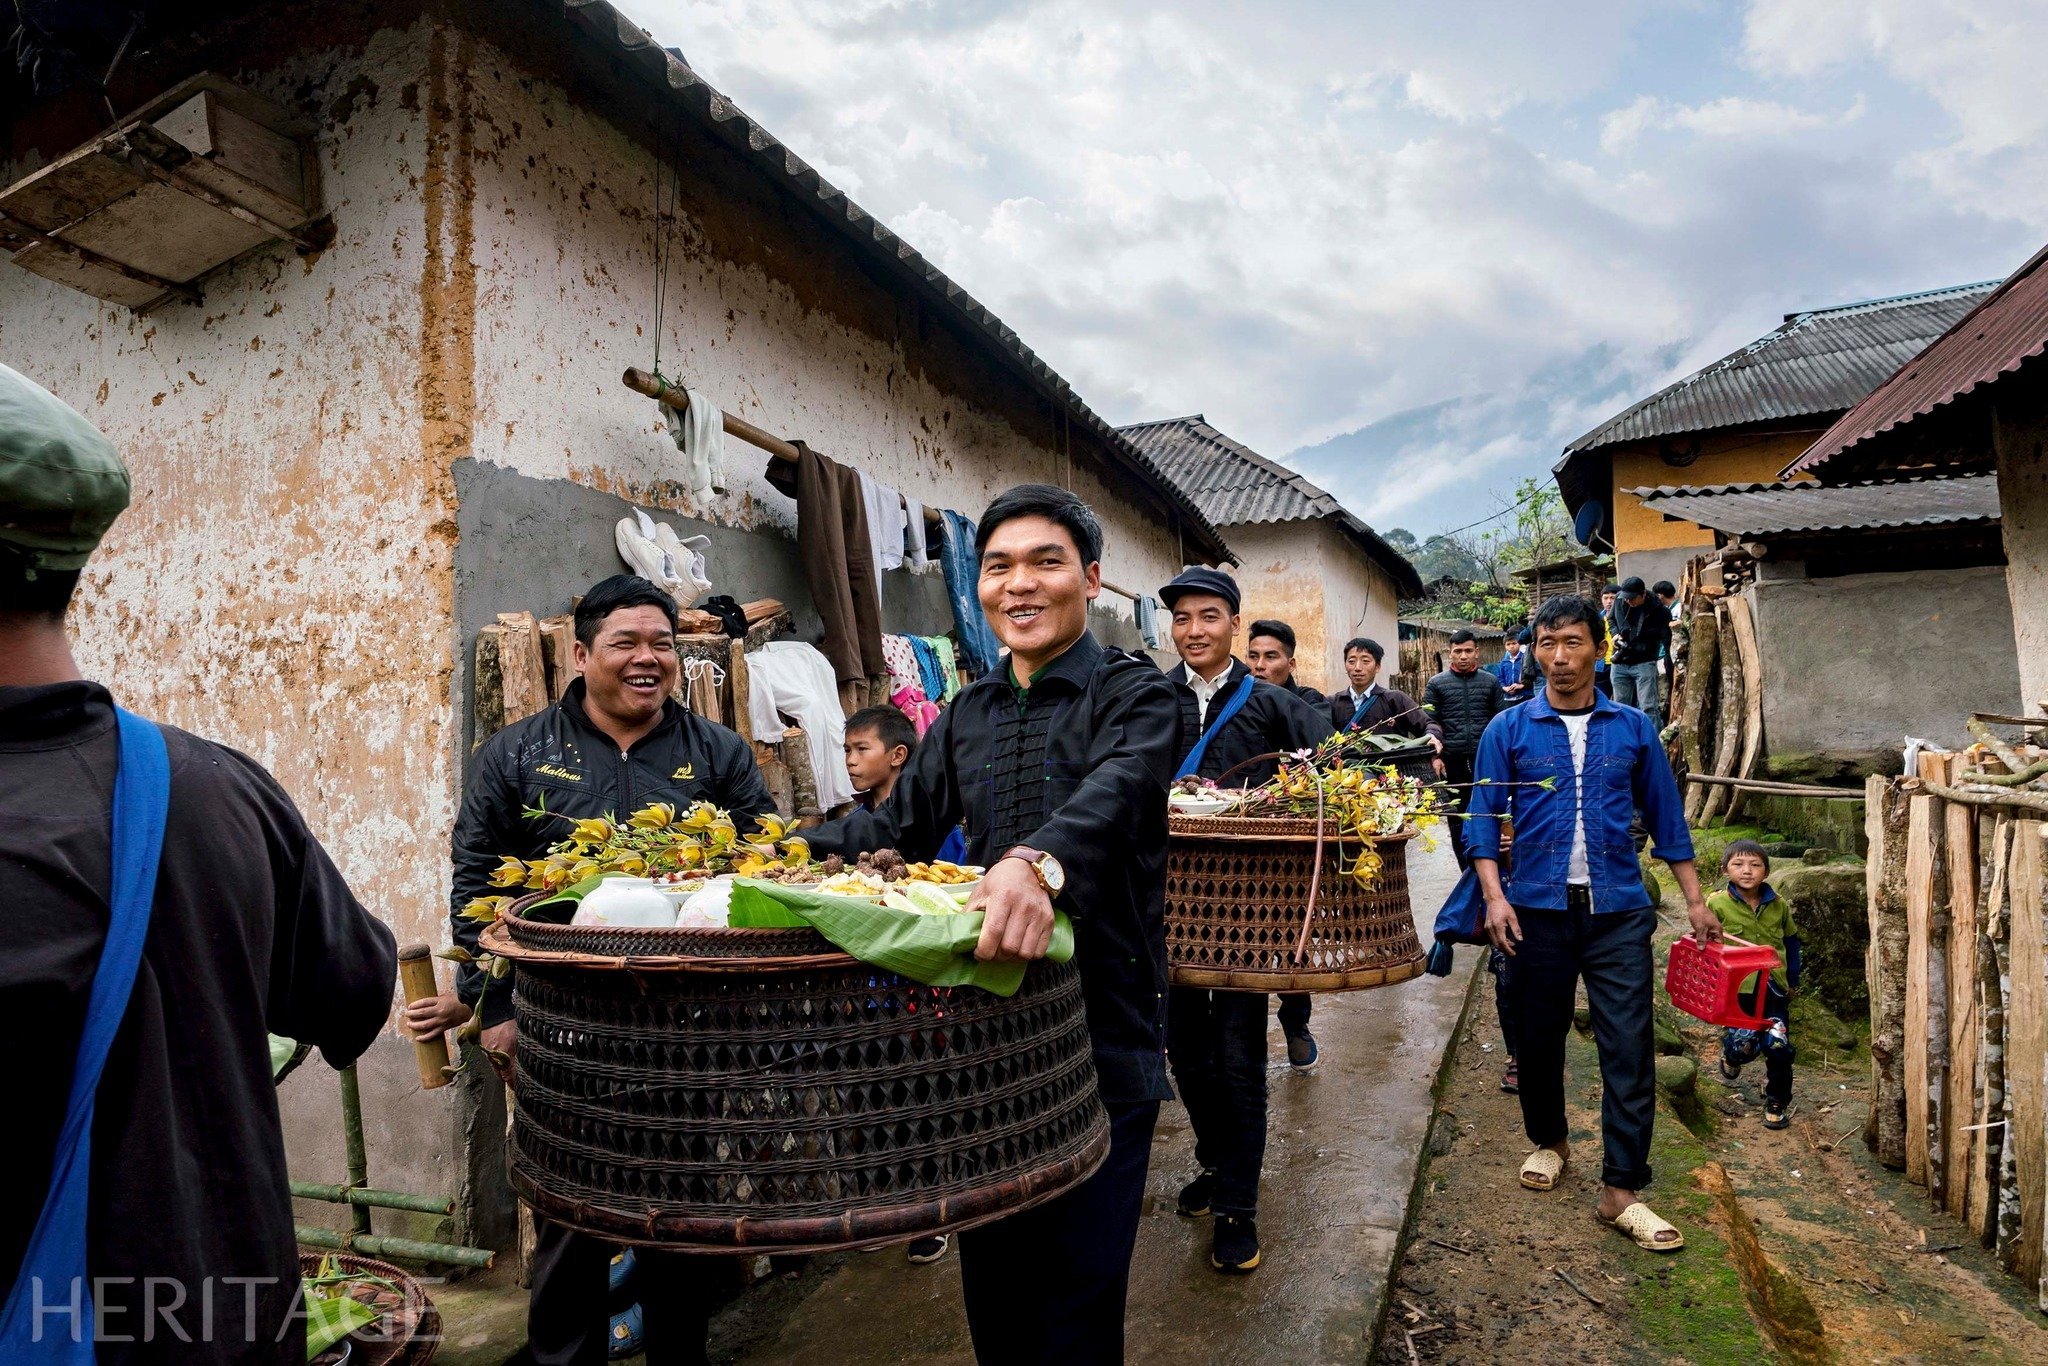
(1304, 218)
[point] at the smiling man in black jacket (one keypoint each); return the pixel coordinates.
(615, 742)
(1058, 761)
(1217, 1039)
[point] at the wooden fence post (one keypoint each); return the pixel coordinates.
(1923, 1112)
(1885, 969)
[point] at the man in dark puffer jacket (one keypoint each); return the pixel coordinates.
(1462, 699)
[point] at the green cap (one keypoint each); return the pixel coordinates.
(61, 484)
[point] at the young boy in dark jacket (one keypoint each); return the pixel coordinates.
(1749, 908)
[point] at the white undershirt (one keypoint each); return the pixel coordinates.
(1205, 689)
(1576, 872)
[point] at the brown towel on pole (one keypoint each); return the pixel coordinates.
(838, 559)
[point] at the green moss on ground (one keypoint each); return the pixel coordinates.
(1691, 1304)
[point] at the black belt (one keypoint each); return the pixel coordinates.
(1578, 897)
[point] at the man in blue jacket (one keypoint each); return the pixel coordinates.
(1571, 767)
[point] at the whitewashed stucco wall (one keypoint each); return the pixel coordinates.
(1313, 577)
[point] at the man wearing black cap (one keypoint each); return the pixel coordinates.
(1231, 725)
(1642, 630)
(167, 910)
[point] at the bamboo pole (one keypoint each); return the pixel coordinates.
(653, 386)
(416, 975)
(352, 1143)
(1839, 794)
(401, 1249)
(351, 1195)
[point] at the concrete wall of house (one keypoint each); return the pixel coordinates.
(2020, 438)
(1648, 546)
(1314, 578)
(325, 453)
(1854, 664)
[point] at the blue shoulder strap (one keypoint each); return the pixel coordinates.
(1359, 711)
(1216, 723)
(49, 1309)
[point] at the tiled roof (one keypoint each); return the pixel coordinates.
(1763, 509)
(1813, 364)
(1235, 485)
(2005, 331)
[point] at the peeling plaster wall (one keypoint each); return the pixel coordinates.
(765, 312)
(1313, 577)
(283, 579)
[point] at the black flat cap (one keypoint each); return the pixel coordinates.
(1201, 579)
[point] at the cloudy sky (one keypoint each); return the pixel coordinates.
(1410, 249)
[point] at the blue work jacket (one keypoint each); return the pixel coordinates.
(1625, 771)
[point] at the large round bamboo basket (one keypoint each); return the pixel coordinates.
(408, 1327)
(761, 1091)
(1237, 891)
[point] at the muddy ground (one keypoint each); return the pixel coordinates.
(1844, 1259)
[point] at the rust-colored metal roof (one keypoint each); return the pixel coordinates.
(1233, 484)
(1992, 340)
(1761, 509)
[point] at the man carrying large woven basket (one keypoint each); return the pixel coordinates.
(615, 741)
(1058, 761)
(1572, 767)
(1233, 728)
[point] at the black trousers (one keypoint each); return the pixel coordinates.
(1048, 1285)
(1739, 1046)
(568, 1316)
(1458, 773)
(1216, 1041)
(1294, 1012)
(1612, 953)
(1500, 965)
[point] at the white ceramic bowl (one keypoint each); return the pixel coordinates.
(1193, 804)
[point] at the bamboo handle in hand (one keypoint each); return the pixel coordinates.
(416, 975)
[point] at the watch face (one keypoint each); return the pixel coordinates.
(1055, 876)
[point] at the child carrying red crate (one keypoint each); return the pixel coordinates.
(1749, 908)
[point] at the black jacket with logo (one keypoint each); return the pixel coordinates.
(1077, 767)
(1273, 719)
(560, 755)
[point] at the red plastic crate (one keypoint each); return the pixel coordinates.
(1705, 980)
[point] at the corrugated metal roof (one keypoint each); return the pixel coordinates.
(633, 47)
(1447, 625)
(1813, 364)
(1763, 509)
(1234, 485)
(2003, 332)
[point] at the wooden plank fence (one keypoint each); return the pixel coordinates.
(1958, 972)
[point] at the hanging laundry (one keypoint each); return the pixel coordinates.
(921, 710)
(700, 435)
(790, 678)
(1148, 620)
(929, 677)
(885, 525)
(963, 577)
(838, 561)
(918, 551)
(903, 672)
(949, 666)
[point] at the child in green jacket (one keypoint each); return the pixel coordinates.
(1750, 909)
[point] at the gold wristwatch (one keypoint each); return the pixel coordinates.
(1050, 874)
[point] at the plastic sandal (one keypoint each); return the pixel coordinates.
(1541, 1169)
(1642, 1225)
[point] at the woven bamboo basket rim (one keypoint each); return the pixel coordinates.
(415, 1316)
(497, 938)
(1267, 829)
(1253, 979)
(869, 1226)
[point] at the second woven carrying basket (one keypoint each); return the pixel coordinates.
(761, 1091)
(1237, 890)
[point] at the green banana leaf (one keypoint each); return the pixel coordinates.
(937, 950)
(328, 1321)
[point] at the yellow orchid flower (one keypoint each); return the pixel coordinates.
(657, 816)
(594, 831)
(511, 872)
(485, 909)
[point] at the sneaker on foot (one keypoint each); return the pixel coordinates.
(622, 1269)
(1511, 1080)
(1729, 1070)
(925, 1251)
(1774, 1115)
(1302, 1053)
(1194, 1196)
(1236, 1247)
